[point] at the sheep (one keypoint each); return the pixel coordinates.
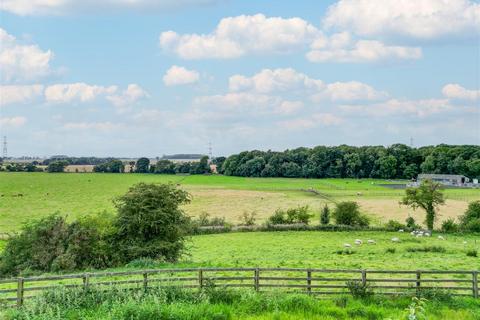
(441, 238)
(371, 242)
(464, 242)
(427, 234)
(347, 245)
(395, 239)
(401, 230)
(358, 242)
(419, 235)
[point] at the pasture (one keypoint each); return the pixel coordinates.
(24, 196)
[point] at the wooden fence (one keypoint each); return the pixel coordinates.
(13, 292)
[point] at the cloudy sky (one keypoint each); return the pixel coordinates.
(153, 77)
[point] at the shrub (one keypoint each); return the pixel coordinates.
(290, 216)
(57, 166)
(278, 217)
(359, 290)
(449, 226)
(248, 219)
(439, 249)
(411, 224)
(472, 253)
(348, 213)
(390, 250)
(325, 215)
(394, 225)
(204, 220)
(150, 222)
(470, 221)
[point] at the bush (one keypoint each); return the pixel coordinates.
(470, 221)
(449, 226)
(438, 249)
(248, 219)
(411, 224)
(394, 225)
(325, 215)
(204, 220)
(290, 216)
(472, 253)
(57, 166)
(348, 213)
(390, 250)
(359, 290)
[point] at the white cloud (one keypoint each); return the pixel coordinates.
(76, 92)
(456, 91)
(422, 19)
(11, 94)
(277, 80)
(179, 75)
(13, 122)
(349, 91)
(100, 126)
(57, 7)
(341, 48)
(395, 107)
(128, 97)
(240, 35)
(22, 62)
(315, 120)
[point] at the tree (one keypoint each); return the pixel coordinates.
(471, 219)
(348, 213)
(143, 165)
(387, 167)
(57, 166)
(325, 215)
(150, 222)
(427, 196)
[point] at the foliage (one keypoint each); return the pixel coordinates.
(427, 196)
(411, 224)
(57, 166)
(416, 310)
(391, 250)
(394, 225)
(290, 216)
(142, 165)
(359, 289)
(398, 161)
(150, 222)
(325, 215)
(449, 226)
(470, 221)
(248, 219)
(204, 220)
(112, 166)
(472, 253)
(348, 213)
(438, 249)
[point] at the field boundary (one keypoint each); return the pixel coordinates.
(14, 292)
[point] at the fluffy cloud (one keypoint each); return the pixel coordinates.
(128, 97)
(179, 75)
(75, 92)
(456, 91)
(20, 62)
(13, 122)
(11, 94)
(349, 91)
(237, 36)
(341, 48)
(56, 7)
(314, 120)
(100, 126)
(422, 19)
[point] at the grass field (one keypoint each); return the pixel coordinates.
(31, 195)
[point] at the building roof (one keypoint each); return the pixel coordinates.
(440, 176)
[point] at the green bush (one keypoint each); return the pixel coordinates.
(248, 219)
(325, 215)
(204, 220)
(348, 213)
(470, 221)
(393, 225)
(290, 216)
(472, 253)
(390, 250)
(359, 290)
(411, 224)
(449, 226)
(438, 249)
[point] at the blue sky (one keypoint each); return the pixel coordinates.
(143, 77)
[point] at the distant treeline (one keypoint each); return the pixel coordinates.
(398, 161)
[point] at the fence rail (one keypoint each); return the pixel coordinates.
(13, 292)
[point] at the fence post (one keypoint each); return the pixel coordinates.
(475, 284)
(309, 281)
(364, 277)
(200, 279)
(419, 282)
(145, 280)
(20, 283)
(86, 281)
(257, 279)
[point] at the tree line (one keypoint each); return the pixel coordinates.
(397, 161)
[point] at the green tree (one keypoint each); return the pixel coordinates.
(427, 196)
(150, 222)
(57, 166)
(325, 215)
(143, 165)
(471, 219)
(348, 213)
(387, 167)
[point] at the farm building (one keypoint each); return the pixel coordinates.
(445, 179)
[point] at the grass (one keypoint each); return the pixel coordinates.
(224, 304)
(32, 195)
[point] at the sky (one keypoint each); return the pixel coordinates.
(131, 78)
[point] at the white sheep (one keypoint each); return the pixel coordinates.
(464, 242)
(413, 233)
(441, 238)
(371, 242)
(395, 239)
(347, 245)
(358, 242)
(419, 235)
(427, 234)
(401, 230)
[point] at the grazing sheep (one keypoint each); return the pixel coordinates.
(413, 233)
(419, 235)
(401, 230)
(441, 238)
(464, 242)
(395, 239)
(371, 242)
(347, 245)
(358, 242)
(427, 234)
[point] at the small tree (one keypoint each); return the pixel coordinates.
(143, 165)
(150, 222)
(427, 196)
(57, 166)
(471, 219)
(325, 215)
(348, 213)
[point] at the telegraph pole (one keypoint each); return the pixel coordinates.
(4, 149)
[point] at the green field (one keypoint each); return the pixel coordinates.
(25, 196)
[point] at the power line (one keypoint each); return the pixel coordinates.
(4, 150)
